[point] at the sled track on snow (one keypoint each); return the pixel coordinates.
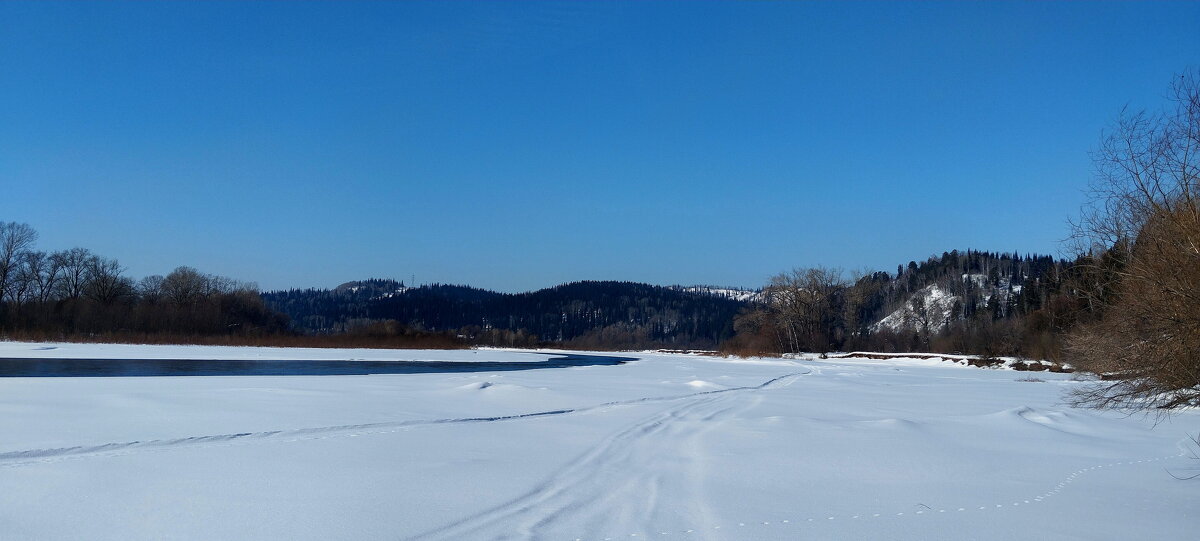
(13, 459)
(611, 485)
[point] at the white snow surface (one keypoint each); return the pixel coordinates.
(668, 447)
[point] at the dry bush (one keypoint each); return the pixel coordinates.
(757, 335)
(1145, 293)
(985, 362)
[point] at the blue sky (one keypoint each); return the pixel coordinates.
(520, 145)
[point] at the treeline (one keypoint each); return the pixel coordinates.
(76, 293)
(585, 315)
(968, 302)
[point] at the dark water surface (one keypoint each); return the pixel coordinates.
(197, 367)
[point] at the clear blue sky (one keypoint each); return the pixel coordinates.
(519, 145)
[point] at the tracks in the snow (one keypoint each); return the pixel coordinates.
(796, 523)
(12, 459)
(616, 484)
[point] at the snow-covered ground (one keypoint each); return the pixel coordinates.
(668, 447)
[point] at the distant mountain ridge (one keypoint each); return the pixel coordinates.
(595, 313)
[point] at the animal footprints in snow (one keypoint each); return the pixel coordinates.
(1058, 488)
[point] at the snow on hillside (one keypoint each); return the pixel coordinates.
(390, 294)
(744, 295)
(932, 307)
(1003, 289)
(377, 289)
(667, 447)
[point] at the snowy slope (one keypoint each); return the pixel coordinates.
(934, 305)
(671, 446)
(931, 307)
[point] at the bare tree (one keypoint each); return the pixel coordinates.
(43, 272)
(15, 240)
(76, 265)
(27, 277)
(186, 285)
(105, 284)
(150, 288)
(1141, 231)
(807, 307)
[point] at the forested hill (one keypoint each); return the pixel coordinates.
(957, 286)
(589, 314)
(972, 301)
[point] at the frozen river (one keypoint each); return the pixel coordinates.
(52, 367)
